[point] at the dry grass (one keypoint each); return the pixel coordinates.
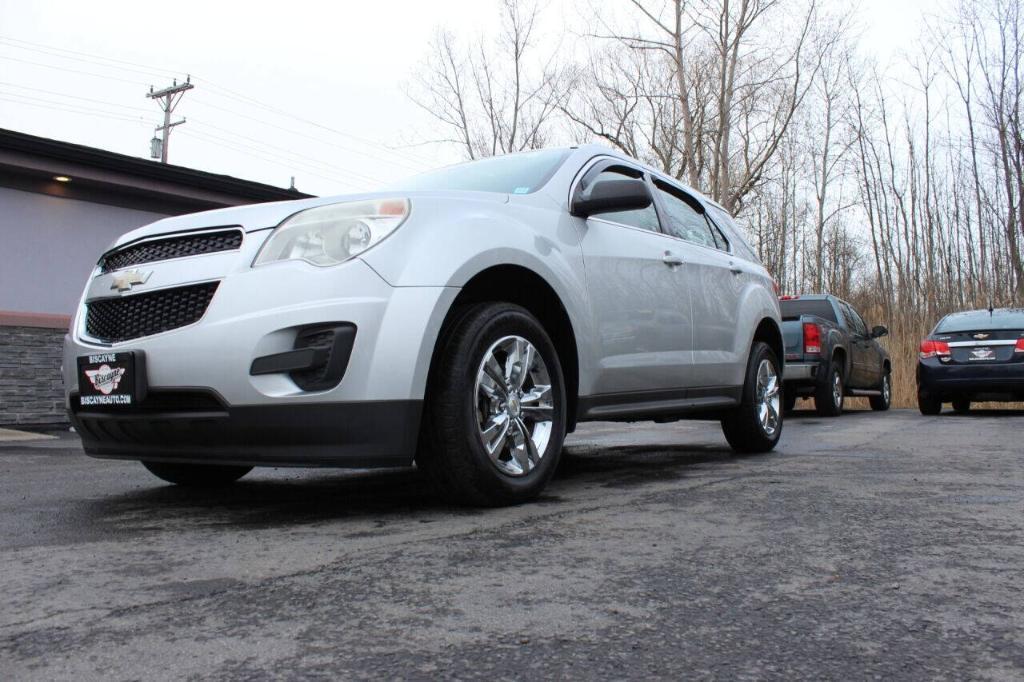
(903, 342)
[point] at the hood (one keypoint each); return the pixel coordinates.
(255, 217)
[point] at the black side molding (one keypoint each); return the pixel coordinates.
(707, 402)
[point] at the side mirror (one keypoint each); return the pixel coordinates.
(611, 195)
(878, 331)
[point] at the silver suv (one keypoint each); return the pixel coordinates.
(466, 320)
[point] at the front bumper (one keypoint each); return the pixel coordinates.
(192, 427)
(370, 418)
(1002, 381)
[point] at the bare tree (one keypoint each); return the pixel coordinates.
(491, 98)
(828, 139)
(729, 88)
(999, 31)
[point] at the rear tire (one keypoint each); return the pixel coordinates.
(197, 475)
(756, 425)
(881, 403)
(961, 406)
(478, 393)
(789, 402)
(829, 394)
(928, 405)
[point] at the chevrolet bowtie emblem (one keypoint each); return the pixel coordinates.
(981, 336)
(126, 280)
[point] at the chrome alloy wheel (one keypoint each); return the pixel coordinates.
(886, 388)
(837, 388)
(515, 408)
(767, 397)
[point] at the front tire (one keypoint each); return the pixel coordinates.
(830, 392)
(756, 425)
(495, 415)
(197, 475)
(881, 403)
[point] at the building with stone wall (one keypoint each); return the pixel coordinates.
(61, 206)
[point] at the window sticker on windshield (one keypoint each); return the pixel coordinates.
(521, 190)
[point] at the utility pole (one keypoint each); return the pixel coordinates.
(167, 98)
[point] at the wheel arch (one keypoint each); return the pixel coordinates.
(839, 353)
(768, 332)
(524, 287)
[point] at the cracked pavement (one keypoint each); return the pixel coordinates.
(868, 546)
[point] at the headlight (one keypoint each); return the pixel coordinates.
(328, 235)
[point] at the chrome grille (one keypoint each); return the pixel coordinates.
(112, 320)
(172, 247)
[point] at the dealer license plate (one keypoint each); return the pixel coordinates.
(981, 354)
(111, 379)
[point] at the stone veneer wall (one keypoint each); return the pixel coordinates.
(31, 388)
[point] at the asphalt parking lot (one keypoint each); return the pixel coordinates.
(869, 546)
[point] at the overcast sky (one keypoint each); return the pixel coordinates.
(305, 89)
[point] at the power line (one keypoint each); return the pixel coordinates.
(261, 121)
(379, 153)
(62, 106)
(220, 142)
(81, 56)
(70, 106)
(84, 99)
(342, 184)
(69, 70)
(73, 108)
(217, 90)
(250, 140)
(267, 148)
(280, 112)
(226, 110)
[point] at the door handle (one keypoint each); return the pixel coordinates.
(671, 259)
(735, 270)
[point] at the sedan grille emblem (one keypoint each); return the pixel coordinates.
(125, 281)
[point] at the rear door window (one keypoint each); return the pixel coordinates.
(683, 219)
(862, 326)
(853, 319)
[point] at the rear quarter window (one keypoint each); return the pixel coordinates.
(732, 232)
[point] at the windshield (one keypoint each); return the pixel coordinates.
(1012, 318)
(511, 174)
